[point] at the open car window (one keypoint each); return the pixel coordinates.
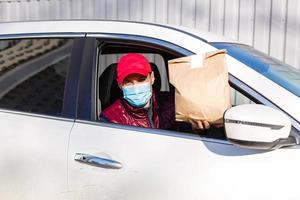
(109, 91)
(108, 56)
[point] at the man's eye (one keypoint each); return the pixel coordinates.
(142, 79)
(126, 83)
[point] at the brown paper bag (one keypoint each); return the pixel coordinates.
(201, 86)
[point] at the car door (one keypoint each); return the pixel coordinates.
(38, 85)
(110, 161)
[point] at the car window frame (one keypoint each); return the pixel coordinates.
(234, 82)
(87, 92)
(69, 108)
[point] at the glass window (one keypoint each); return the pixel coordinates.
(33, 74)
(238, 98)
(284, 75)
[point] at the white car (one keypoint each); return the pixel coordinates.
(56, 77)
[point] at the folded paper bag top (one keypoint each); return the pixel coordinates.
(202, 88)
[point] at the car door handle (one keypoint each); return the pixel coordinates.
(97, 161)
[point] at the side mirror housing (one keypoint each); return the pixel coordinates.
(258, 127)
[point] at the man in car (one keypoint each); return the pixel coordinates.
(140, 105)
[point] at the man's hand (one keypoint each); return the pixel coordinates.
(199, 124)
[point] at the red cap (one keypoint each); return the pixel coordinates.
(132, 63)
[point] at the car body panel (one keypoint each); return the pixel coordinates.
(160, 165)
(33, 156)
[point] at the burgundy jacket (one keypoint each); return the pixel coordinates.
(162, 115)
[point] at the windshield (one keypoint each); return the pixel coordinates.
(279, 72)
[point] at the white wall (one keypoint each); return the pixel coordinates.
(272, 26)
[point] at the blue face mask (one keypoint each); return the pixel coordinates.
(137, 95)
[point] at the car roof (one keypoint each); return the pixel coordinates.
(98, 26)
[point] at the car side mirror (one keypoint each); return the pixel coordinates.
(258, 127)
